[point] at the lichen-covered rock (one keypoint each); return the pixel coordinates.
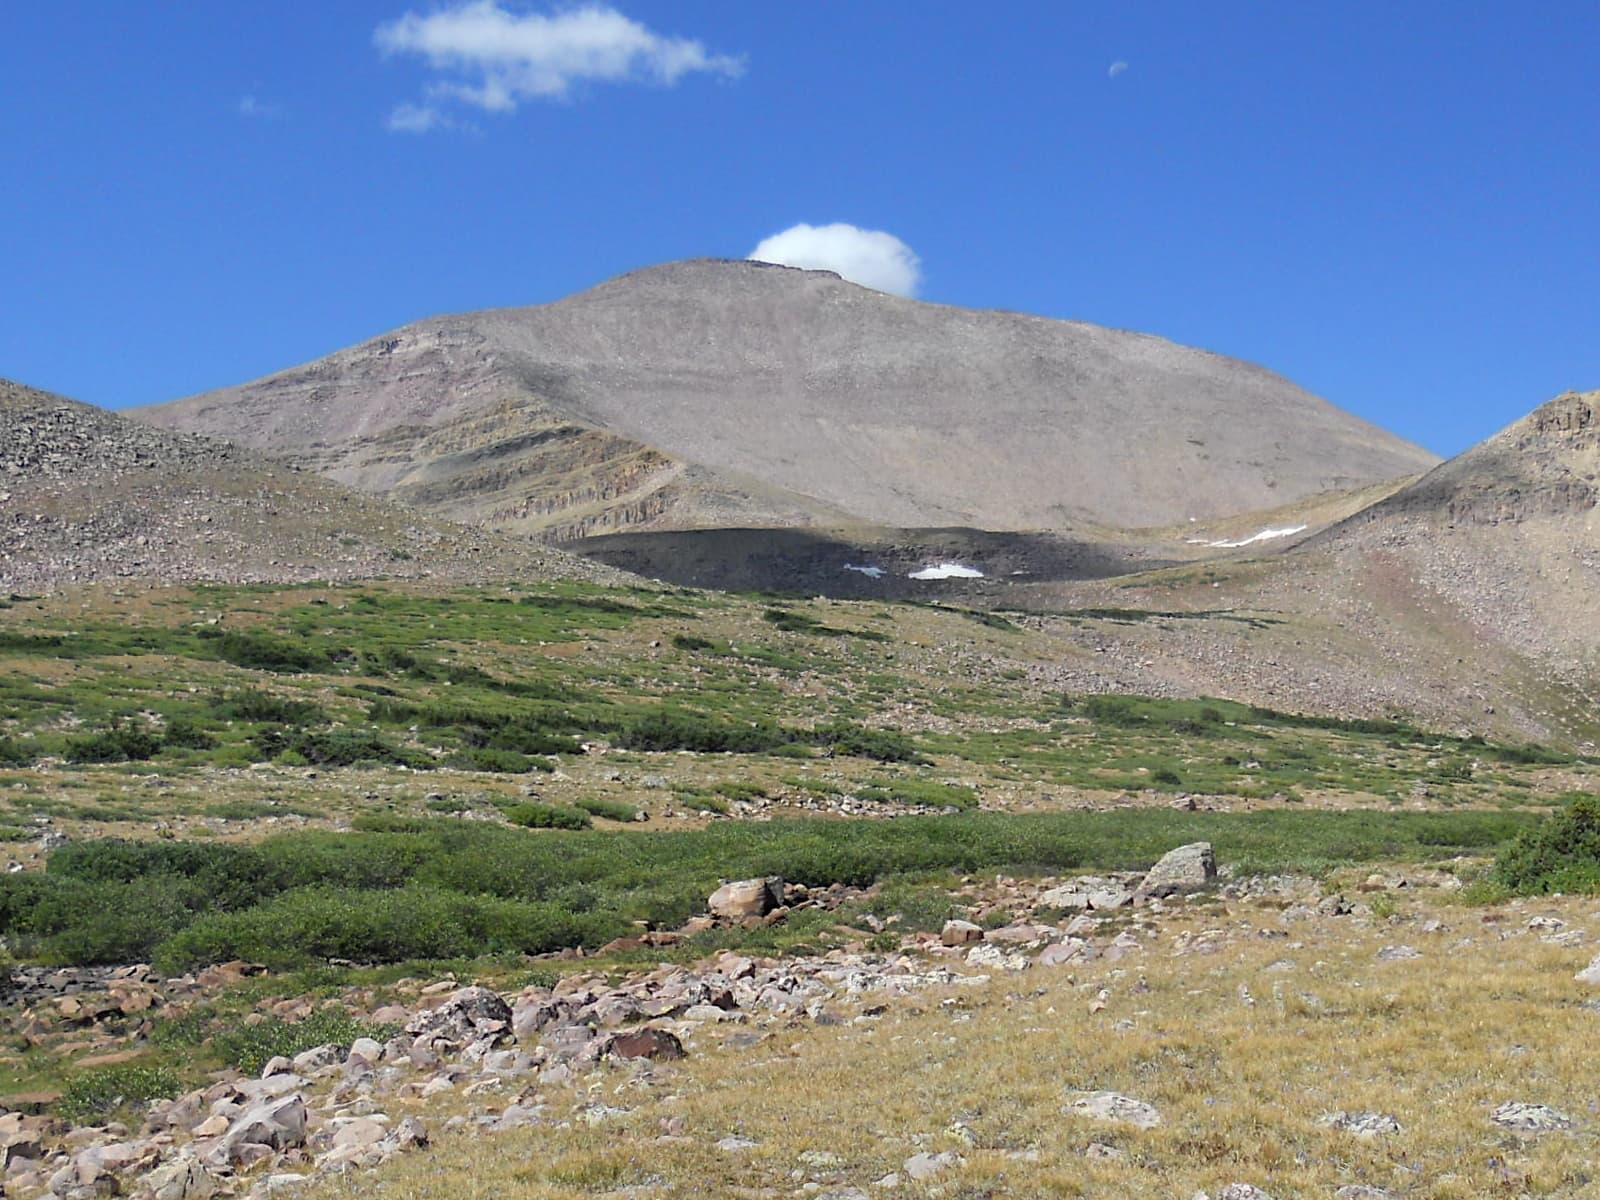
(1190, 868)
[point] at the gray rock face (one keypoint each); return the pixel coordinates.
(1190, 868)
(1591, 973)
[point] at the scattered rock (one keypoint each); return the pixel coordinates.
(1362, 1124)
(1113, 1106)
(1398, 953)
(925, 1166)
(1535, 1118)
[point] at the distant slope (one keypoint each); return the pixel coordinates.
(1468, 599)
(1508, 533)
(86, 495)
(715, 393)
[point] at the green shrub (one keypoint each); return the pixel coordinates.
(918, 791)
(93, 1095)
(14, 754)
(548, 816)
(317, 924)
(688, 641)
(483, 758)
(1112, 710)
(1560, 854)
(340, 748)
(252, 704)
(668, 729)
(120, 743)
(251, 1047)
(611, 810)
(883, 745)
(185, 733)
(259, 651)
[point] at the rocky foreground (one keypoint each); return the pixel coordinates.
(335, 1108)
(604, 1053)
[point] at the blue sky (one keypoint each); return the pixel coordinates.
(1395, 205)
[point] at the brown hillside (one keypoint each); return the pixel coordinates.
(86, 496)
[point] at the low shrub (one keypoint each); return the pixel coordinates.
(340, 748)
(14, 754)
(186, 734)
(258, 651)
(251, 1047)
(119, 743)
(611, 810)
(689, 641)
(548, 816)
(669, 729)
(882, 745)
(91, 1096)
(252, 704)
(484, 758)
(312, 924)
(1560, 854)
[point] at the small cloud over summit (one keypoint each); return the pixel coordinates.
(870, 257)
(1117, 68)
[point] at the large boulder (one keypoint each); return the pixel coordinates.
(471, 1014)
(270, 1125)
(746, 898)
(1190, 868)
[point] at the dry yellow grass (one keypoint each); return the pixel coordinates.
(1241, 1050)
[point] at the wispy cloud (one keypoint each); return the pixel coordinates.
(259, 109)
(870, 257)
(492, 58)
(1117, 68)
(417, 118)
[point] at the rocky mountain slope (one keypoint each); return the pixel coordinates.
(1465, 599)
(716, 394)
(1508, 533)
(86, 495)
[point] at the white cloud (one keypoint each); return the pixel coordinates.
(416, 118)
(1117, 68)
(254, 106)
(869, 257)
(493, 58)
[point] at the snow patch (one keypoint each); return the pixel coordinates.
(947, 570)
(1266, 535)
(869, 572)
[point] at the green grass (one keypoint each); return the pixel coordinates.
(406, 888)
